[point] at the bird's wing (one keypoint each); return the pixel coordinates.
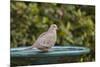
(39, 40)
(44, 40)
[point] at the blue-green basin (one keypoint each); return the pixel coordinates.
(53, 52)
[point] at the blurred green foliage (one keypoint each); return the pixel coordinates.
(76, 23)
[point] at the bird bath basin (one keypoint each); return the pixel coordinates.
(57, 54)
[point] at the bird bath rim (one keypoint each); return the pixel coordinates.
(53, 52)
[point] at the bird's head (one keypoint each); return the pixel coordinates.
(53, 27)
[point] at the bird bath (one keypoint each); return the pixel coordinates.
(57, 54)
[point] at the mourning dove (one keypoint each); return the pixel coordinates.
(47, 39)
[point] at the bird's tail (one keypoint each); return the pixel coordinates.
(28, 48)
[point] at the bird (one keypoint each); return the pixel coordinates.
(47, 39)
